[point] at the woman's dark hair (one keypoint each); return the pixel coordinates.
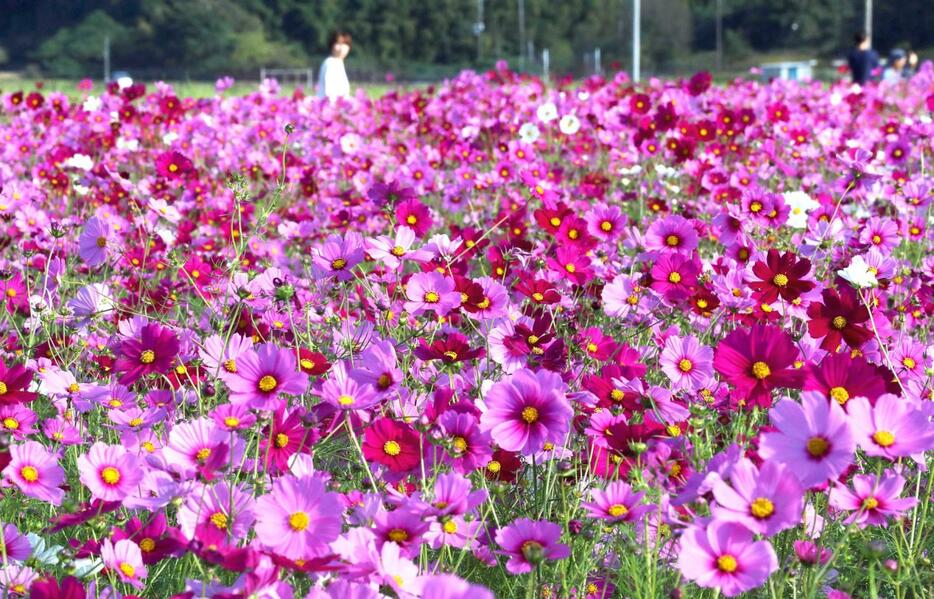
(337, 36)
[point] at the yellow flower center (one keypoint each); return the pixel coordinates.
(136, 422)
(876, 239)
(307, 364)
(555, 221)
(392, 448)
(219, 520)
(592, 347)
(570, 268)
(267, 383)
(230, 366)
(397, 251)
(780, 279)
(618, 509)
(727, 563)
(460, 444)
(101, 242)
(147, 357)
(530, 415)
(494, 466)
(452, 355)
(909, 363)
(148, 446)
(345, 400)
(282, 440)
(338, 264)
(128, 570)
(537, 296)
(110, 475)
(606, 226)
(818, 447)
(147, 545)
(674, 277)
(672, 240)
(685, 365)
(11, 423)
(573, 234)
(883, 438)
(431, 297)
(450, 527)
(203, 454)
(411, 219)
(617, 395)
(397, 535)
(298, 521)
(29, 474)
(74, 388)
(838, 323)
(231, 421)
(762, 508)
(840, 395)
(760, 370)
(11, 293)
(870, 503)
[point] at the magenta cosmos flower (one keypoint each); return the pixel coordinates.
(527, 409)
(431, 292)
(35, 472)
(766, 500)
(263, 374)
(298, 519)
(757, 360)
(724, 556)
(152, 351)
(125, 559)
(893, 428)
(616, 503)
(338, 256)
(813, 439)
(873, 499)
(14, 381)
(110, 472)
(687, 363)
(529, 543)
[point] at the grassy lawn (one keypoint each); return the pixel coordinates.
(194, 89)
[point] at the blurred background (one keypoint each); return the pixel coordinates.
(427, 40)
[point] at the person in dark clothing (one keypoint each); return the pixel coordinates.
(863, 59)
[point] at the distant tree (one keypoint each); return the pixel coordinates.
(74, 51)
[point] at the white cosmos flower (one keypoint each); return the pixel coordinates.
(547, 112)
(569, 124)
(80, 161)
(800, 204)
(92, 104)
(858, 273)
(529, 133)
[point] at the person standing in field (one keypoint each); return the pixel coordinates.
(332, 80)
(863, 59)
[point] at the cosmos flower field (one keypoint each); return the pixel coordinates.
(490, 338)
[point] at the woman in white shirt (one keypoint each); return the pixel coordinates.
(332, 80)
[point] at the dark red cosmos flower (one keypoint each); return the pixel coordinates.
(173, 165)
(699, 83)
(289, 436)
(538, 290)
(503, 466)
(839, 317)
(13, 383)
(392, 444)
(454, 348)
(312, 362)
(86, 512)
(156, 539)
(841, 377)
(757, 360)
(152, 351)
(782, 276)
(49, 588)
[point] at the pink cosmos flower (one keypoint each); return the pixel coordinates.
(344, 392)
(15, 544)
(392, 251)
(766, 500)
(616, 503)
(110, 472)
(873, 499)
(893, 428)
(469, 446)
(431, 291)
(263, 374)
(125, 559)
(529, 543)
(298, 519)
(674, 276)
(447, 586)
(35, 472)
(687, 363)
(813, 439)
(671, 234)
(414, 215)
(527, 409)
(217, 515)
(338, 256)
(724, 556)
(196, 443)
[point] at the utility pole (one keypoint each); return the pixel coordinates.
(106, 59)
(478, 28)
(522, 44)
(868, 25)
(636, 41)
